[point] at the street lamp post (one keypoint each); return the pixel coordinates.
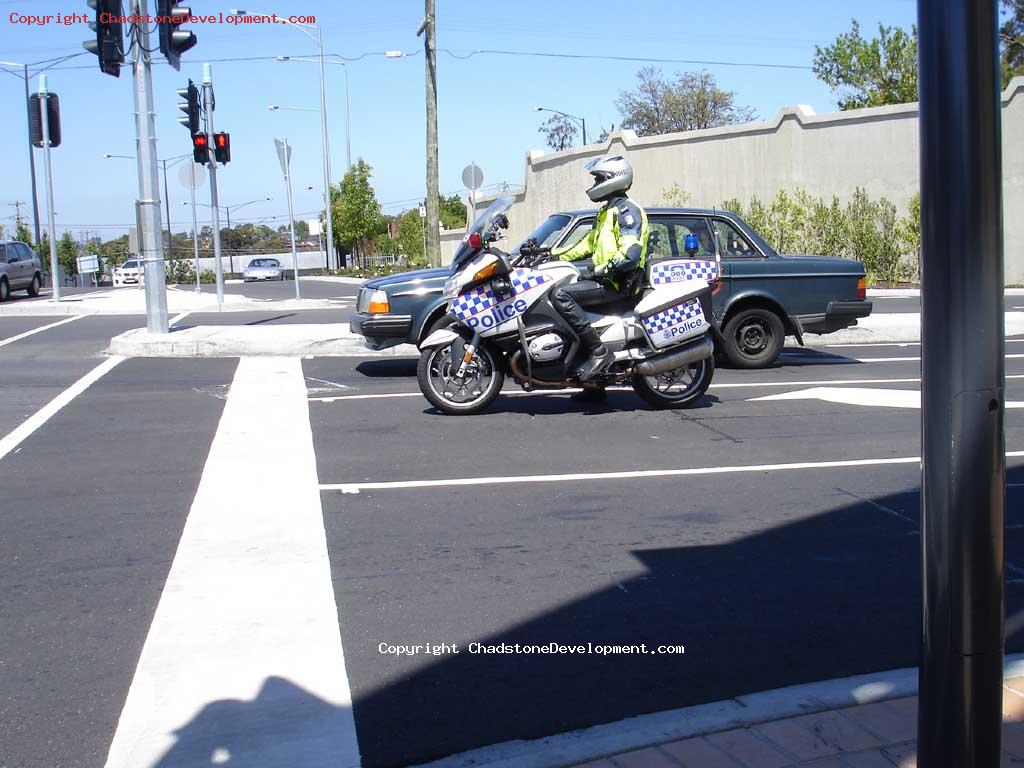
(167, 203)
(318, 38)
(580, 120)
(31, 154)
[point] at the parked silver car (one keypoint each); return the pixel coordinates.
(19, 269)
(263, 269)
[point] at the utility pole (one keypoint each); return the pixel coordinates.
(32, 160)
(44, 112)
(427, 29)
(208, 105)
(962, 386)
(150, 241)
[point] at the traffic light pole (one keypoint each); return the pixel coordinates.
(195, 224)
(962, 386)
(150, 239)
(54, 267)
(214, 201)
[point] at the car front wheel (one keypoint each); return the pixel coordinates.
(753, 338)
(5, 289)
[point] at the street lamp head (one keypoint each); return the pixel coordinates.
(394, 54)
(538, 109)
(283, 58)
(273, 107)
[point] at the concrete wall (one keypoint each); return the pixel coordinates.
(875, 149)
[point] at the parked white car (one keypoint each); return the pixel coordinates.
(127, 273)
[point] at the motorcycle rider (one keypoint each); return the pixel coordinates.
(618, 245)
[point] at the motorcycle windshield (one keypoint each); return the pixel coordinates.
(482, 226)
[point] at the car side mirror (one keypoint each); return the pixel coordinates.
(691, 245)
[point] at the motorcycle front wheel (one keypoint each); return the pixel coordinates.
(476, 389)
(678, 388)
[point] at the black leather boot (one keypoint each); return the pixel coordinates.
(599, 356)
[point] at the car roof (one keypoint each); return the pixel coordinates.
(661, 211)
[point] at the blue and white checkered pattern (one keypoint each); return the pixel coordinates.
(482, 299)
(672, 316)
(682, 270)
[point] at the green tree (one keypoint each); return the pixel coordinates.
(67, 254)
(674, 196)
(909, 234)
(690, 102)
(870, 73)
(410, 237)
(453, 212)
(22, 232)
(357, 217)
(559, 132)
(1011, 39)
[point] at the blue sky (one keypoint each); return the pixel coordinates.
(485, 102)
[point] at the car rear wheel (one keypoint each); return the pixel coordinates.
(753, 338)
(34, 287)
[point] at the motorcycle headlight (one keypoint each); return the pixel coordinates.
(451, 287)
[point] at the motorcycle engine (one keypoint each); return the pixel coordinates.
(546, 348)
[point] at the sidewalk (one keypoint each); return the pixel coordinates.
(877, 735)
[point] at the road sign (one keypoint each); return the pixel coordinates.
(192, 176)
(314, 226)
(284, 155)
(88, 264)
(472, 176)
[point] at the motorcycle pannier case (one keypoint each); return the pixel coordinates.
(675, 313)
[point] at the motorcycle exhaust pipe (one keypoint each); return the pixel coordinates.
(669, 361)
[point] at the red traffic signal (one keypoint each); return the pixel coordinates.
(222, 147)
(200, 148)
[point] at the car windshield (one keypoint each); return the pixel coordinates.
(547, 233)
(129, 265)
(264, 263)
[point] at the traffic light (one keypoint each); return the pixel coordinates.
(201, 148)
(109, 42)
(190, 107)
(35, 119)
(222, 147)
(174, 41)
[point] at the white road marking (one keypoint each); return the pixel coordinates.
(890, 344)
(729, 385)
(244, 653)
(34, 331)
(577, 477)
(178, 318)
(874, 398)
(44, 414)
(907, 359)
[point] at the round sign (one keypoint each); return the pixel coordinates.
(191, 175)
(472, 176)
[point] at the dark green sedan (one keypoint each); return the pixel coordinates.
(760, 298)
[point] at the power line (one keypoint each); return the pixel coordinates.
(641, 59)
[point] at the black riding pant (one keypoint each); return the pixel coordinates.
(569, 300)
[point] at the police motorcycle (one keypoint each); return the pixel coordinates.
(504, 324)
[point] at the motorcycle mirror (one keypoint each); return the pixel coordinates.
(501, 222)
(691, 245)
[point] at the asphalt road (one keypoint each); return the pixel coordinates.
(768, 578)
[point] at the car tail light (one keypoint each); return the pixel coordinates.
(862, 288)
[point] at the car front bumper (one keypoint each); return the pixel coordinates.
(381, 331)
(838, 315)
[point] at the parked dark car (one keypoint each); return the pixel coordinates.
(19, 269)
(760, 299)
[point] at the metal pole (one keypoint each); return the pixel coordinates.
(962, 382)
(195, 225)
(325, 149)
(291, 216)
(54, 266)
(433, 187)
(231, 253)
(167, 206)
(218, 267)
(348, 132)
(32, 161)
(149, 180)
(584, 122)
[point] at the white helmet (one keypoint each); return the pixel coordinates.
(612, 176)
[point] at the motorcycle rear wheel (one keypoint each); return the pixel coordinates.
(473, 393)
(679, 388)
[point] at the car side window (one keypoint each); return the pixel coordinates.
(732, 243)
(581, 230)
(694, 226)
(3, 253)
(659, 243)
(25, 253)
